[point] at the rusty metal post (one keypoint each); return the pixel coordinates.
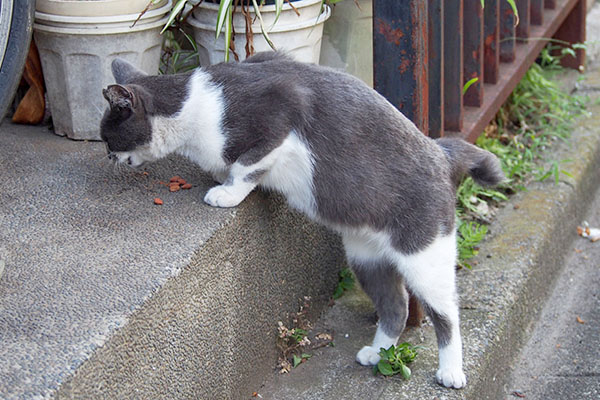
(473, 51)
(415, 312)
(436, 68)
(453, 71)
(537, 12)
(400, 54)
(572, 30)
(507, 32)
(401, 67)
(522, 29)
(491, 45)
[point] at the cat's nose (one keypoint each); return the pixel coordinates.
(111, 156)
(129, 160)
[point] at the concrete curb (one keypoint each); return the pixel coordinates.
(500, 297)
(106, 295)
(209, 333)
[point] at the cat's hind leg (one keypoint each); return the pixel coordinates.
(384, 285)
(430, 275)
(386, 289)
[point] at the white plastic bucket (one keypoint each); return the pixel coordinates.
(94, 8)
(298, 35)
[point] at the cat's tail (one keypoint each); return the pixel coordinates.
(465, 158)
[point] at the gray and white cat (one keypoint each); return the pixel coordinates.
(338, 151)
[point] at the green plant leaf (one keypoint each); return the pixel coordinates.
(223, 15)
(385, 368)
(515, 10)
(296, 360)
(468, 84)
(228, 32)
(405, 371)
(278, 8)
(173, 14)
(346, 282)
(262, 25)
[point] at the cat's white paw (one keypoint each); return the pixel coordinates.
(368, 356)
(221, 196)
(451, 378)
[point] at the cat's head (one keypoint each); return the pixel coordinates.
(125, 126)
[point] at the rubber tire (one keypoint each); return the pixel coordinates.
(17, 47)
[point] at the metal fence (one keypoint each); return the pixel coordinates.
(426, 50)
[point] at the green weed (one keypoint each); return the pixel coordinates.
(469, 235)
(554, 170)
(346, 283)
(297, 360)
(395, 359)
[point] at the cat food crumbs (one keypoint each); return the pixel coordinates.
(516, 206)
(254, 394)
(158, 202)
(145, 173)
(585, 231)
(558, 345)
(580, 320)
(176, 183)
(578, 250)
(518, 393)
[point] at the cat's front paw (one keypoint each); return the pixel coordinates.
(451, 377)
(221, 196)
(368, 356)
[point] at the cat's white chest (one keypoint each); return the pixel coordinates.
(205, 140)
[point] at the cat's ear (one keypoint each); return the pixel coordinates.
(119, 97)
(124, 72)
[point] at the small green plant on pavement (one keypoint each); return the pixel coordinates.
(293, 341)
(555, 171)
(395, 359)
(345, 283)
(470, 234)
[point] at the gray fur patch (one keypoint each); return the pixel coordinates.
(442, 325)
(254, 176)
